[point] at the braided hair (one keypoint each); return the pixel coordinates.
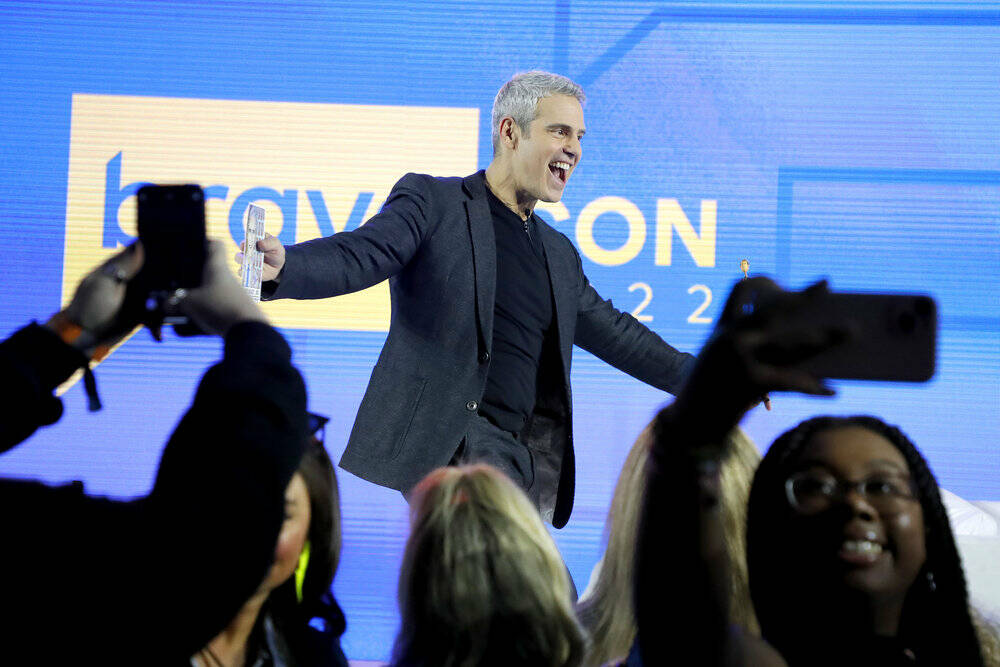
(936, 621)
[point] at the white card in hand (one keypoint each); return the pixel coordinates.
(253, 259)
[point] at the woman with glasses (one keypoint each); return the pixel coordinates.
(850, 552)
(851, 558)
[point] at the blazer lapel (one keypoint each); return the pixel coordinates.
(484, 254)
(562, 277)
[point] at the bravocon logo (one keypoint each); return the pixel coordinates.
(316, 169)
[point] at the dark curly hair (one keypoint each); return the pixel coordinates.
(935, 623)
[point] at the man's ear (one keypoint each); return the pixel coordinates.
(510, 133)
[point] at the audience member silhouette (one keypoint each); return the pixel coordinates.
(148, 581)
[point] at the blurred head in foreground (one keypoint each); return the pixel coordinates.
(482, 582)
(293, 618)
(606, 608)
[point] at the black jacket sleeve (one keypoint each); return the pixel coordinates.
(681, 564)
(33, 362)
(355, 260)
(627, 344)
(150, 581)
(210, 525)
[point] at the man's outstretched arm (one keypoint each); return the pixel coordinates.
(627, 344)
(351, 261)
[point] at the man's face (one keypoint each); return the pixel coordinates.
(544, 159)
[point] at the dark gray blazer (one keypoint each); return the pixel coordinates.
(434, 241)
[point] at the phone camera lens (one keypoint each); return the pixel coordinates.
(906, 322)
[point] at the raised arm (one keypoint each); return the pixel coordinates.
(38, 358)
(351, 261)
(682, 565)
(210, 526)
(203, 540)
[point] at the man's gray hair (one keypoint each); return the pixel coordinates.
(518, 98)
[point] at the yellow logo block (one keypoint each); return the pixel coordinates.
(315, 168)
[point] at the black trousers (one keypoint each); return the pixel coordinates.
(486, 442)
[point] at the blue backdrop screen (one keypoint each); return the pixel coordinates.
(853, 141)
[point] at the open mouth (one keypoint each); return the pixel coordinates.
(860, 552)
(560, 170)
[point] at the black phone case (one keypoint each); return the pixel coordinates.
(889, 336)
(171, 223)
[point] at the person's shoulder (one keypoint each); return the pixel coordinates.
(429, 182)
(436, 190)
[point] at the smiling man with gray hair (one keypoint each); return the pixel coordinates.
(518, 99)
(487, 302)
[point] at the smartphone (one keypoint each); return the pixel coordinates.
(889, 336)
(171, 222)
(172, 230)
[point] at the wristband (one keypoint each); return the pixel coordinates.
(85, 342)
(77, 337)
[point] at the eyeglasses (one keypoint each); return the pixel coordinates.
(811, 492)
(317, 425)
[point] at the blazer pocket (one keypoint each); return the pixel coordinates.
(384, 421)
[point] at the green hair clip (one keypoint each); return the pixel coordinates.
(300, 571)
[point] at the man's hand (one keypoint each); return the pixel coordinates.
(220, 302)
(97, 303)
(274, 256)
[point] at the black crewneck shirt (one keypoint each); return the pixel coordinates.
(522, 317)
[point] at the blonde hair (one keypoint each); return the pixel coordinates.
(482, 582)
(988, 633)
(607, 612)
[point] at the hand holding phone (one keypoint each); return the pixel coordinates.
(98, 304)
(220, 301)
(888, 337)
(171, 222)
(769, 340)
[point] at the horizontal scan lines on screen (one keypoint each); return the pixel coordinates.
(934, 231)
